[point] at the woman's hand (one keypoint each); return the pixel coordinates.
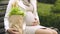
(12, 31)
(35, 22)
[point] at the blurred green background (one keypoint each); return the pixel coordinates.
(49, 13)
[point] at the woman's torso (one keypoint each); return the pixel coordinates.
(29, 18)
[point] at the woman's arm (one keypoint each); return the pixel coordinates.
(6, 22)
(34, 3)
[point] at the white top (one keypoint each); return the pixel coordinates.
(29, 19)
(6, 22)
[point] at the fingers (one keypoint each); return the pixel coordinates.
(12, 31)
(35, 18)
(35, 22)
(15, 33)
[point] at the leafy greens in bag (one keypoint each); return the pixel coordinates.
(16, 11)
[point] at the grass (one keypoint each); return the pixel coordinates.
(44, 9)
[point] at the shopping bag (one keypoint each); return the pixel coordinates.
(16, 17)
(16, 22)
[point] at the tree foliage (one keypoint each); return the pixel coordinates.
(47, 1)
(47, 16)
(56, 7)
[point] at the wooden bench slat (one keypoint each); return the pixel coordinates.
(2, 13)
(1, 19)
(2, 30)
(3, 2)
(1, 24)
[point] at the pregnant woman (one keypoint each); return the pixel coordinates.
(31, 19)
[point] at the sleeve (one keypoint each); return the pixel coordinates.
(34, 3)
(6, 22)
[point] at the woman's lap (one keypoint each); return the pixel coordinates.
(32, 29)
(41, 29)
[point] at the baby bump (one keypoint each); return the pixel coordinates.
(29, 18)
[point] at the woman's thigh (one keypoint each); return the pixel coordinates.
(45, 31)
(54, 31)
